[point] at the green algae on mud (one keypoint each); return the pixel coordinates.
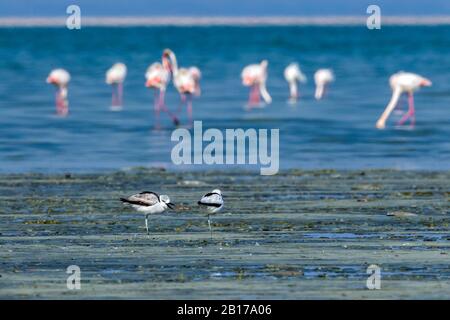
(296, 235)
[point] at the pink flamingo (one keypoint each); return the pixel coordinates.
(186, 80)
(157, 77)
(322, 78)
(115, 76)
(403, 82)
(60, 78)
(255, 76)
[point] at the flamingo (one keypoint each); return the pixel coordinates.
(60, 78)
(196, 74)
(322, 78)
(403, 82)
(186, 80)
(255, 76)
(115, 76)
(157, 77)
(293, 74)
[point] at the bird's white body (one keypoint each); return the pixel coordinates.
(148, 203)
(255, 75)
(184, 81)
(293, 75)
(196, 75)
(407, 81)
(159, 207)
(402, 82)
(212, 202)
(322, 78)
(116, 74)
(60, 78)
(157, 76)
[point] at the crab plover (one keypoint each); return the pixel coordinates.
(148, 203)
(213, 203)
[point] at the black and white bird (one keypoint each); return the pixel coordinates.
(149, 202)
(212, 202)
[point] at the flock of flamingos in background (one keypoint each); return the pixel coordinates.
(187, 83)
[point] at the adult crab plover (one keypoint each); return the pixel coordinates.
(149, 202)
(213, 203)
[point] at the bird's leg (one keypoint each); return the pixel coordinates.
(189, 108)
(120, 94)
(410, 113)
(113, 95)
(254, 95)
(157, 109)
(146, 224)
(61, 103)
(250, 97)
(412, 109)
(163, 106)
(399, 107)
(209, 225)
(182, 102)
(58, 102)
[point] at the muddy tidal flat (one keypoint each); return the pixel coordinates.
(296, 235)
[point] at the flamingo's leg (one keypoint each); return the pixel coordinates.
(115, 95)
(399, 107)
(410, 113)
(163, 106)
(120, 94)
(57, 102)
(250, 97)
(404, 118)
(182, 102)
(61, 104)
(189, 108)
(412, 109)
(254, 95)
(157, 109)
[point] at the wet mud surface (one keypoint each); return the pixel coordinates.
(296, 235)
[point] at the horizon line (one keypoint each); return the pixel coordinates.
(129, 21)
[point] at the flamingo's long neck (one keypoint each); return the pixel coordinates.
(389, 108)
(264, 93)
(174, 63)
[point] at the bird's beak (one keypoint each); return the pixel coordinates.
(171, 205)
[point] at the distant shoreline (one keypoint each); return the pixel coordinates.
(223, 21)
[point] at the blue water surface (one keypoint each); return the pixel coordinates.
(337, 132)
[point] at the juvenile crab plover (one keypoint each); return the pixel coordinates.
(213, 203)
(148, 203)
